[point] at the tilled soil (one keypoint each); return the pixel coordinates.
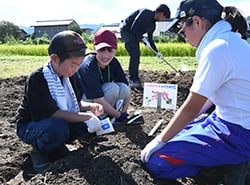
(111, 159)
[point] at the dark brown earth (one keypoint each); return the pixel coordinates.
(111, 159)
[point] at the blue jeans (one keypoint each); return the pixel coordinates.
(48, 134)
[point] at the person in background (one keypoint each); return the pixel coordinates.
(102, 78)
(51, 111)
(185, 147)
(236, 19)
(133, 29)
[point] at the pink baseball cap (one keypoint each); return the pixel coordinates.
(105, 38)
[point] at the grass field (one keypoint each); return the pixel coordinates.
(16, 65)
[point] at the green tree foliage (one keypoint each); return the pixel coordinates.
(169, 37)
(41, 40)
(76, 28)
(88, 38)
(8, 30)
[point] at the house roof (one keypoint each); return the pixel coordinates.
(23, 31)
(161, 27)
(113, 27)
(54, 22)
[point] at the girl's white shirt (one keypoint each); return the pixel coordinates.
(223, 73)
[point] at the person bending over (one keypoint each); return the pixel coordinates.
(133, 29)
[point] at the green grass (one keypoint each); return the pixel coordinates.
(167, 49)
(17, 65)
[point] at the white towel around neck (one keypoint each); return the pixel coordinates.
(61, 92)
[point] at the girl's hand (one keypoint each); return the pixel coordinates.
(151, 147)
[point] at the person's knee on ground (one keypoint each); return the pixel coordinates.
(162, 168)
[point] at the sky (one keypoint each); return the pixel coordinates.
(26, 13)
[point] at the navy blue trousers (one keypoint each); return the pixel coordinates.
(133, 48)
(208, 142)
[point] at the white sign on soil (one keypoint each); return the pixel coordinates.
(168, 93)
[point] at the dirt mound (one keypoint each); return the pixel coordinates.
(110, 159)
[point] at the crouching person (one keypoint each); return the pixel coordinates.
(52, 112)
(184, 147)
(102, 78)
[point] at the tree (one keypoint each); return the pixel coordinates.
(88, 38)
(8, 29)
(76, 28)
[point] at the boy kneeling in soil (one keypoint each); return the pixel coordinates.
(102, 78)
(52, 112)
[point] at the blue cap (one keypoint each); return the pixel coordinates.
(209, 9)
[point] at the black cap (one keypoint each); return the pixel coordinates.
(209, 9)
(67, 42)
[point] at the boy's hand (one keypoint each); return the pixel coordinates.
(94, 124)
(97, 109)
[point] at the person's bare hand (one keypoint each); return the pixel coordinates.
(97, 109)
